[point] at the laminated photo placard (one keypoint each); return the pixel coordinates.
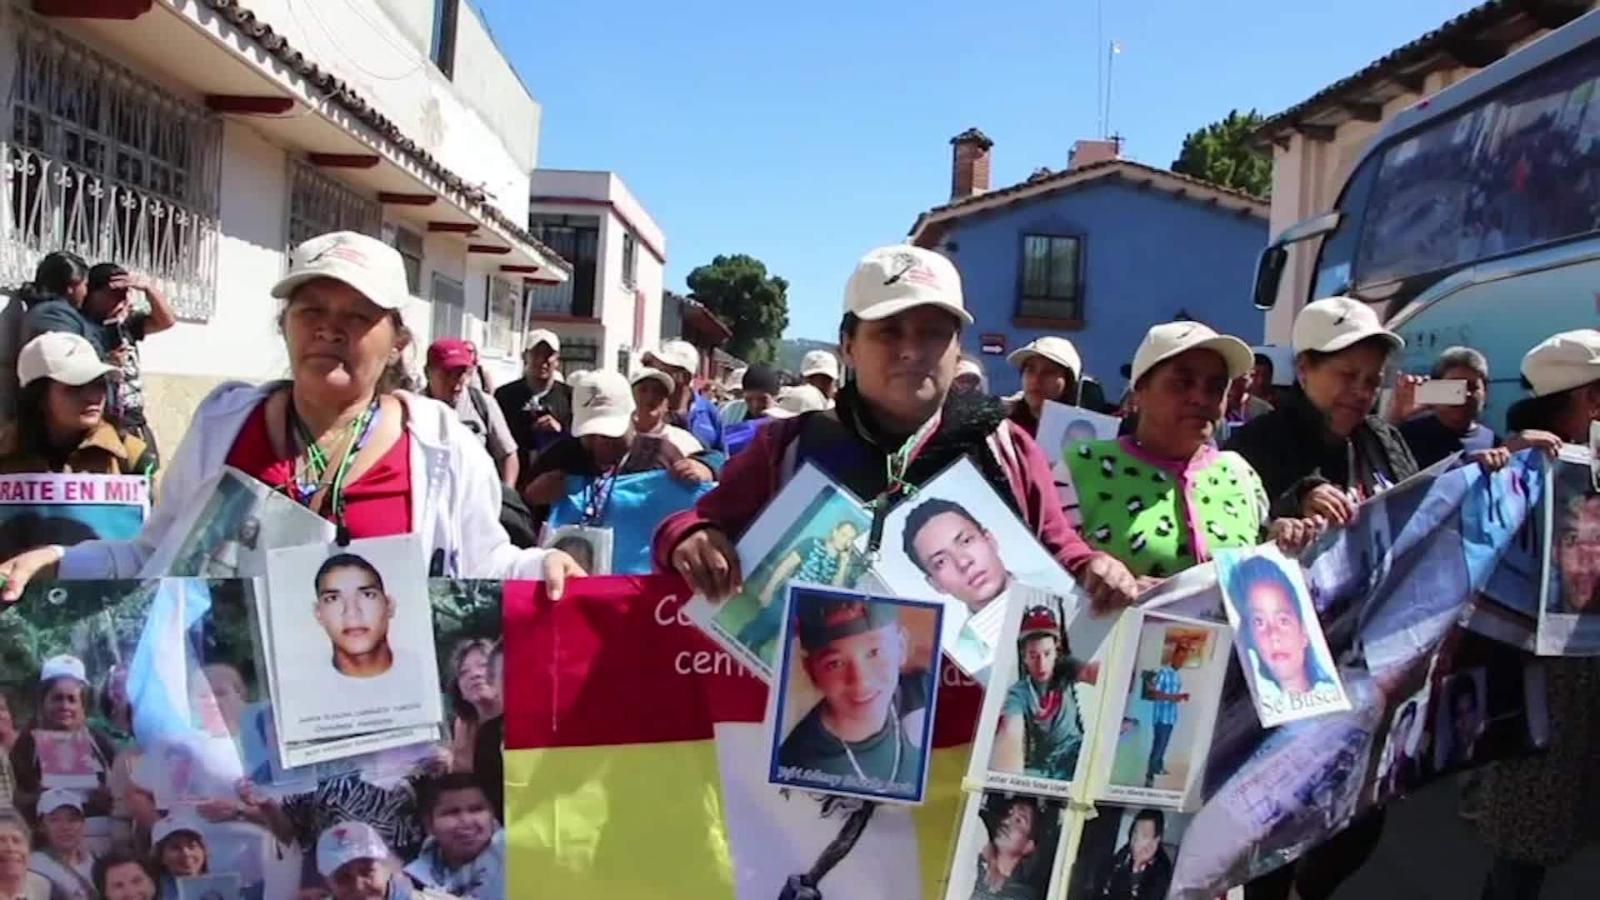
(851, 711)
(227, 536)
(39, 509)
(350, 635)
(1010, 845)
(589, 546)
(1061, 426)
(1569, 603)
(1043, 703)
(1281, 647)
(1163, 711)
(1126, 852)
(812, 531)
(957, 540)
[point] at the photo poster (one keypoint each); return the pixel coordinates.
(37, 510)
(1487, 702)
(589, 546)
(1284, 656)
(1042, 707)
(349, 632)
(855, 661)
(1569, 603)
(1407, 745)
(1126, 852)
(66, 760)
(812, 531)
(1008, 846)
(227, 536)
(1166, 714)
(1061, 426)
(957, 540)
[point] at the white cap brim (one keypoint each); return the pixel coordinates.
(891, 308)
(655, 375)
(611, 426)
(1343, 341)
(367, 286)
(1236, 355)
(1019, 358)
(78, 374)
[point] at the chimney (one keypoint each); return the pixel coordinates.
(969, 169)
(1087, 153)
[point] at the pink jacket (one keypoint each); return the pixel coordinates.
(753, 477)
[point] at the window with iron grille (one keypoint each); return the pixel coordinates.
(577, 240)
(102, 162)
(409, 244)
(1051, 286)
(630, 260)
(578, 354)
(504, 314)
(449, 307)
(319, 204)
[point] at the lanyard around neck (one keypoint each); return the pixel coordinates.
(597, 499)
(896, 487)
(320, 477)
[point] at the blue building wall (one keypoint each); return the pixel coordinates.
(1146, 254)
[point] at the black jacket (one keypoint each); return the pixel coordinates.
(516, 402)
(1293, 451)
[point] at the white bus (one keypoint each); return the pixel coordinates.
(1474, 216)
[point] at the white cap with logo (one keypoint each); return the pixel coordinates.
(602, 404)
(60, 356)
(63, 666)
(1334, 323)
(543, 336)
(172, 824)
(1170, 339)
(361, 261)
(890, 280)
(347, 842)
(819, 362)
(793, 401)
(59, 798)
(1058, 350)
(1562, 362)
(678, 354)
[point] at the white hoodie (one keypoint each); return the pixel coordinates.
(455, 494)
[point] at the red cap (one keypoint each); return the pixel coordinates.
(452, 353)
(1038, 620)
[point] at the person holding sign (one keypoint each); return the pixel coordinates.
(62, 724)
(1162, 499)
(1539, 810)
(339, 437)
(1050, 369)
(894, 425)
(61, 421)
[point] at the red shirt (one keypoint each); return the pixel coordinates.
(378, 504)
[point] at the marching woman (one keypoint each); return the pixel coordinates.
(1162, 499)
(1050, 369)
(337, 437)
(895, 425)
(1321, 454)
(1539, 810)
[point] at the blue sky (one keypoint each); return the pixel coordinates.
(805, 134)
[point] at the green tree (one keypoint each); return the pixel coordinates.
(754, 304)
(1221, 153)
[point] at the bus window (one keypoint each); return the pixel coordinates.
(1518, 168)
(1339, 248)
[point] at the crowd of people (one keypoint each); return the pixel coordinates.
(1234, 461)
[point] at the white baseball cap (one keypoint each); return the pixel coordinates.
(1163, 342)
(171, 825)
(59, 798)
(969, 367)
(1563, 361)
(602, 404)
(1058, 350)
(361, 261)
(793, 401)
(676, 353)
(890, 280)
(347, 842)
(1334, 323)
(649, 374)
(60, 356)
(543, 336)
(819, 362)
(63, 666)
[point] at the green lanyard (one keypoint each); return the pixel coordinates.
(317, 477)
(896, 486)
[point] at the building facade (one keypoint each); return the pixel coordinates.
(689, 319)
(198, 140)
(1316, 143)
(609, 312)
(1096, 253)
